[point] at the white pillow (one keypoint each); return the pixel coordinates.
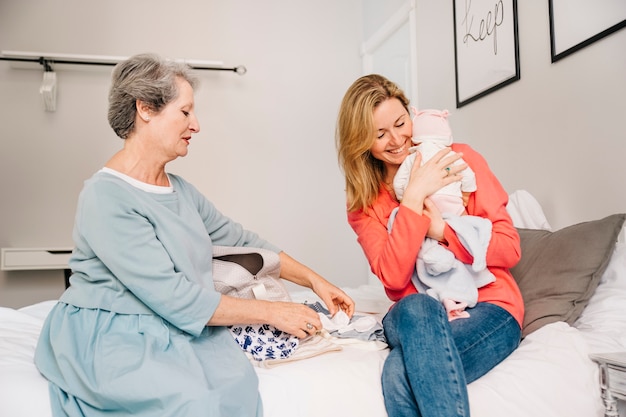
(604, 317)
(526, 211)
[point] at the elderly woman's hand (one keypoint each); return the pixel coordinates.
(333, 297)
(301, 320)
(294, 318)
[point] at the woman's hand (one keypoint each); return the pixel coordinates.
(426, 179)
(301, 320)
(334, 298)
(296, 319)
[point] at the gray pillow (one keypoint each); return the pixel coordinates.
(559, 271)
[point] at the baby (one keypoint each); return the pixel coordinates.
(438, 272)
(431, 133)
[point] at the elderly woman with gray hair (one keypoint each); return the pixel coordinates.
(141, 330)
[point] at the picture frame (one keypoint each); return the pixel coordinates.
(575, 24)
(486, 47)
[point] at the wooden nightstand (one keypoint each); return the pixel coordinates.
(612, 379)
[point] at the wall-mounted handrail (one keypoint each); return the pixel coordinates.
(46, 59)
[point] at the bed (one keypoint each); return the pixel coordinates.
(574, 284)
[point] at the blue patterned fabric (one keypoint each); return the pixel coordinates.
(263, 341)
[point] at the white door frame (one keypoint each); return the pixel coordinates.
(406, 13)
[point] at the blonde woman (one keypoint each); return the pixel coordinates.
(431, 359)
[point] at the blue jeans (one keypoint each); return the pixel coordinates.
(432, 359)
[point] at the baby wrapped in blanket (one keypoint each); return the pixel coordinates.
(438, 272)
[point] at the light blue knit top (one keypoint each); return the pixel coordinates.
(139, 252)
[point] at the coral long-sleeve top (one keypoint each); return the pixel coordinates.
(392, 255)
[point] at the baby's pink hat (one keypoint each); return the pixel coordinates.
(431, 124)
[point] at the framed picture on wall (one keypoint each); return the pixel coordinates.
(486, 47)
(575, 24)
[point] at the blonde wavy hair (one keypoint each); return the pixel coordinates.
(355, 134)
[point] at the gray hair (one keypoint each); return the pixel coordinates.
(147, 78)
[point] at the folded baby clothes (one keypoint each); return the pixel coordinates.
(359, 327)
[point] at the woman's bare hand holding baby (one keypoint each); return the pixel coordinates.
(426, 179)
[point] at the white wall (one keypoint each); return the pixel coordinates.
(559, 132)
(265, 154)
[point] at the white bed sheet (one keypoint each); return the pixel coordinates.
(549, 375)
(23, 391)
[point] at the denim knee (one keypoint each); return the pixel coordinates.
(417, 305)
(409, 313)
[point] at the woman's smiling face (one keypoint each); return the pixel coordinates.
(394, 129)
